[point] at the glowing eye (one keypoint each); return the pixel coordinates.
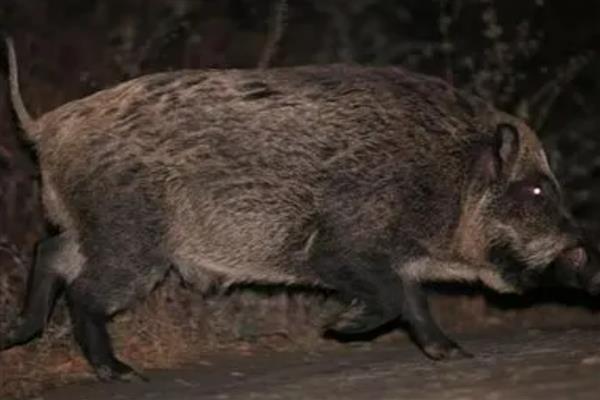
(537, 191)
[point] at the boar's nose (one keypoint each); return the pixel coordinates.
(574, 258)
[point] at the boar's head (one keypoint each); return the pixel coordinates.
(532, 239)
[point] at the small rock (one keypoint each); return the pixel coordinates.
(591, 360)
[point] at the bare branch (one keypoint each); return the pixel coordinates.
(8, 247)
(278, 23)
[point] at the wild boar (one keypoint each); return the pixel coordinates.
(365, 181)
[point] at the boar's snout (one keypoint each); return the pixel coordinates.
(574, 258)
(579, 267)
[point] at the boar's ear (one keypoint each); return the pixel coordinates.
(497, 159)
(507, 144)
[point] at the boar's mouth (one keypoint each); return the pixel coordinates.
(571, 268)
(515, 272)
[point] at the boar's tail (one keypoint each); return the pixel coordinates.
(25, 120)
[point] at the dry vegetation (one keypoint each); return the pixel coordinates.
(173, 327)
(508, 52)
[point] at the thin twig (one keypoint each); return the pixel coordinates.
(8, 247)
(550, 92)
(278, 23)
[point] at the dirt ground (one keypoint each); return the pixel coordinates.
(558, 364)
(273, 336)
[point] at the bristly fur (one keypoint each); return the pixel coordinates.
(363, 180)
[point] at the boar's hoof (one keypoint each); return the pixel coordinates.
(592, 287)
(118, 371)
(446, 350)
(22, 332)
(355, 320)
(351, 327)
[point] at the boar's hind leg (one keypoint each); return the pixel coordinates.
(124, 260)
(110, 281)
(45, 283)
(94, 296)
(425, 331)
(91, 334)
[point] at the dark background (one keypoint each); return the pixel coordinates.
(534, 58)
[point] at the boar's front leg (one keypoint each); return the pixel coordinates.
(45, 283)
(371, 290)
(425, 331)
(377, 293)
(413, 263)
